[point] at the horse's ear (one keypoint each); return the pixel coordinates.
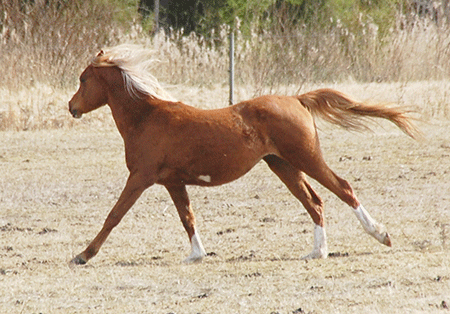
(101, 53)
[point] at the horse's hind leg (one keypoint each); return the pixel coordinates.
(181, 200)
(325, 176)
(296, 182)
(314, 166)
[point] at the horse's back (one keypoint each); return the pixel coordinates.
(279, 115)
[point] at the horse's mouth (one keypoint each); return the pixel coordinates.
(76, 114)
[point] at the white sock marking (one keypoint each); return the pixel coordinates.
(371, 226)
(366, 220)
(320, 239)
(197, 250)
(320, 249)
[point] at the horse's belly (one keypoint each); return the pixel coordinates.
(210, 169)
(216, 156)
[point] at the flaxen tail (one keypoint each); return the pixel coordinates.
(339, 109)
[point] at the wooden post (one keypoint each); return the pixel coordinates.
(231, 99)
(156, 16)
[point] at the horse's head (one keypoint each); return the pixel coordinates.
(91, 94)
(115, 73)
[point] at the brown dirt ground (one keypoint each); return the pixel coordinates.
(57, 187)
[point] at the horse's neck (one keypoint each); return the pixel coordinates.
(129, 112)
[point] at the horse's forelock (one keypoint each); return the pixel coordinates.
(103, 60)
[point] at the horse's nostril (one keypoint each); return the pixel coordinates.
(75, 113)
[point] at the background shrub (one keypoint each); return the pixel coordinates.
(45, 44)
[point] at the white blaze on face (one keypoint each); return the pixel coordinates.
(205, 178)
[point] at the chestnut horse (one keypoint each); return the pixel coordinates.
(173, 144)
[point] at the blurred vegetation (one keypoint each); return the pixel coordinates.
(284, 41)
(279, 45)
(46, 41)
(201, 16)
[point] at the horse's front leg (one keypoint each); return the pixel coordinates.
(181, 200)
(133, 189)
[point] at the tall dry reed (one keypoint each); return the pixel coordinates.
(44, 47)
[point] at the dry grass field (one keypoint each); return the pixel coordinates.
(57, 186)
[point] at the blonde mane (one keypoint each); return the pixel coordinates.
(135, 63)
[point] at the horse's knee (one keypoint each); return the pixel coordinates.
(111, 221)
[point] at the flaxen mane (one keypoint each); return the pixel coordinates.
(135, 63)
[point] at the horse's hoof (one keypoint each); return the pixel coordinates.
(78, 260)
(387, 239)
(193, 259)
(316, 254)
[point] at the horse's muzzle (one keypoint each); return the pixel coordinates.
(75, 113)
